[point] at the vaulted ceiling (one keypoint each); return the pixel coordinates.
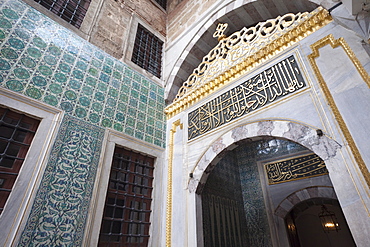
(244, 16)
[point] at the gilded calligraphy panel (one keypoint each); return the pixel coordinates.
(296, 168)
(277, 81)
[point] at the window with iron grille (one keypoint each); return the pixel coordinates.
(162, 3)
(72, 11)
(147, 51)
(127, 206)
(16, 134)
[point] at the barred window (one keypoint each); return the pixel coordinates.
(162, 3)
(147, 51)
(127, 206)
(72, 11)
(16, 134)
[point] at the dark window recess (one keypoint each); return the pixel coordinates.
(72, 11)
(147, 51)
(162, 3)
(127, 206)
(16, 134)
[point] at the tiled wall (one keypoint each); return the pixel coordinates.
(47, 62)
(61, 206)
(237, 177)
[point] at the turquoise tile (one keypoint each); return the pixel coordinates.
(56, 66)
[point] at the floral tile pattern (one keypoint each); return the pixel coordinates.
(60, 209)
(47, 62)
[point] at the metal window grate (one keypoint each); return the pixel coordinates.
(72, 11)
(127, 207)
(147, 51)
(162, 3)
(16, 134)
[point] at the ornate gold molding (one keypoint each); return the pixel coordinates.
(239, 53)
(169, 182)
(329, 40)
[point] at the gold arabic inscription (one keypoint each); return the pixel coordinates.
(275, 82)
(297, 168)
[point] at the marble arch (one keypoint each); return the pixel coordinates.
(178, 74)
(305, 135)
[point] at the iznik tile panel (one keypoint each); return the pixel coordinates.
(47, 62)
(59, 212)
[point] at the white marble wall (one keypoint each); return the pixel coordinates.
(296, 118)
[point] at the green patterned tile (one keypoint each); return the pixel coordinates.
(130, 121)
(144, 91)
(38, 42)
(51, 100)
(57, 67)
(4, 23)
(145, 83)
(133, 103)
(9, 53)
(111, 102)
(2, 34)
(68, 58)
(94, 118)
(87, 90)
(54, 50)
(21, 73)
(97, 107)
(117, 75)
(15, 85)
(149, 130)
(135, 94)
(4, 65)
(109, 112)
(27, 62)
(102, 87)
(96, 63)
(99, 96)
(67, 106)
(70, 95)
(139, 135)
(93, 71)
(122, 107)
(142, 106)
(91, 81)
(150, 120)
(120, 117)
(11, 14)
(148, 139)
(16, 43)
(80, 112)
(74, 84)
(128, 72)
(137, 78)
(113, 92)
(131, 111)
(118, 127)
(123, 97)
(129, 131)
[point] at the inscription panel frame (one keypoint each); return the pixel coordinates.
(219, 103)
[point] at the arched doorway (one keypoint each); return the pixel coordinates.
(305, 227)
(242, 193)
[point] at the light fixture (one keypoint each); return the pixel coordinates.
(328, 219)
